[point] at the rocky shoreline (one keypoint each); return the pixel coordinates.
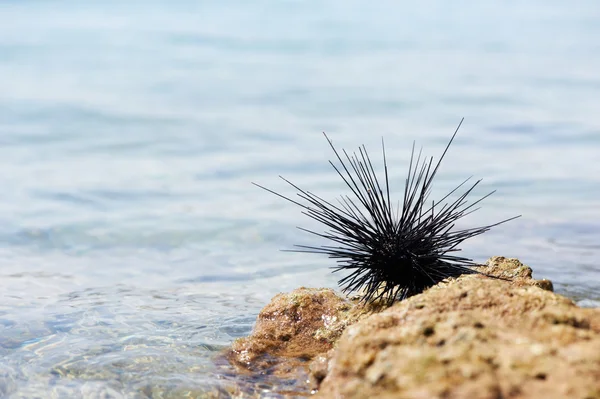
(469, 337)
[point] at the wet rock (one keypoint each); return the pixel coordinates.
(293, 328)
(471, 337)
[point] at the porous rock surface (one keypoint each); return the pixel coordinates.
(470, 337)
(294, 328)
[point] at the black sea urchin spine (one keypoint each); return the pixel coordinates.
(391, 254)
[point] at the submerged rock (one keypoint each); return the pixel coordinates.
(470, 337)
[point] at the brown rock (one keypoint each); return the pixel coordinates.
(471, 337)
(293, 328)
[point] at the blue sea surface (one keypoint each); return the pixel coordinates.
(133, 246)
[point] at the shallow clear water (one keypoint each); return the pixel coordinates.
(133, 246)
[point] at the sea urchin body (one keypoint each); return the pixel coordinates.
(391, 252)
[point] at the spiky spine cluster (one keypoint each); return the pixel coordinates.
(391, 254)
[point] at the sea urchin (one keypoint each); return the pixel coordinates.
(392, 252)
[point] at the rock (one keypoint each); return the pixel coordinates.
(476, 336)
(472, 337)
(293, 328)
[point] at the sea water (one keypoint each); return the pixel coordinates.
(133, 247)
